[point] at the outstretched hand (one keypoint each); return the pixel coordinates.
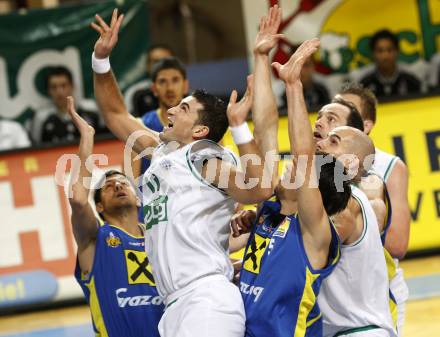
(108, 35)
(238, 112)
(290, 72)
(83, 127)
(267, 36)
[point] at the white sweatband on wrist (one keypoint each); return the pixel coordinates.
(100, 66)
(241, 134)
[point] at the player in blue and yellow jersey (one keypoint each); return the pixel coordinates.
(293, 244)
(112, 267)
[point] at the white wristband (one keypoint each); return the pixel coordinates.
(100, 66)
(241, 134)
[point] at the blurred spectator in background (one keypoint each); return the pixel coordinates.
(12, 136)
(139, 98)
(387, 79)
(169, 86)
(54, 125)
(315, 94)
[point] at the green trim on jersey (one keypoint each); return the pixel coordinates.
(389, 169)
(354, 330)
(364, 231)
(196, 173)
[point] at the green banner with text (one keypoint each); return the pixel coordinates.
(32, 41)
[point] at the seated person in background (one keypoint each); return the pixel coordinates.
(387, 79)
(54, 125)
(169, 86)
(315, 94)
(12, 136)
(139, 98)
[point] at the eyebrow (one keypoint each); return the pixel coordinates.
(185, 105)
(335, 135)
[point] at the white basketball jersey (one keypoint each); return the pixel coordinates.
(187, 219)
(383, 164)
(355, 295)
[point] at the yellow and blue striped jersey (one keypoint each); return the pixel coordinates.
(120, 289)
(278, 285)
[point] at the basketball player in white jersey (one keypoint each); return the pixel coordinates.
(188, 196)
(354, 299)
(395, 174)
(351, 225)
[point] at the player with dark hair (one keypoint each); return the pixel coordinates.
(189, 193)
(139, 98)
(293, 244)
(338, 113)
(169, 86)
(112, 267)
(387, 79)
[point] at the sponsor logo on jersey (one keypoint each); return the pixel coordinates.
(247, 289)
(156, 211)
(165, 164)
(282, 229)
(138, 268)
(135, 301)
(137, 244)
(254, 253)
(112, 240)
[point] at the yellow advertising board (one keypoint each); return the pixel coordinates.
(410, 129)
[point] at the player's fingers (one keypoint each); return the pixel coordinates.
(102, 23)
(118, 24)
(276, 66)
(97, 28)
(233, 97)
(279, 36)
(71, 106)
(114, 18)
(235, 228)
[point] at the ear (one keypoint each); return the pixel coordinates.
(200, 132)
(185, 86)
(368, 125)
(138, 202)
(154, 89)
(99, 207)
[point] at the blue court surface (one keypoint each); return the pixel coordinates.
(69, 331)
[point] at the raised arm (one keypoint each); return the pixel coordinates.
(84, 222)
(107, 93)
(264, 109)
(397, 238)
(311, 212)
(252, 184)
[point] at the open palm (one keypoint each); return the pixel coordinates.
(108, 35)
(267, 36)
(291, 70)
(238, 112)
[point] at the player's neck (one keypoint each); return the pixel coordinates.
(162, 114)
(127, 220)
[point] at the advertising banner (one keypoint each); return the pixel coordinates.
(345, 27)
(32, 41)
(37, 249)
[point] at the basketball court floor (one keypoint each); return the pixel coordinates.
(422, 312)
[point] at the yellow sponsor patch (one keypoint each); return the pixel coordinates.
(252, 258)
(138, 268)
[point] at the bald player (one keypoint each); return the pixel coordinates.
(354, 299)
(395, 174)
